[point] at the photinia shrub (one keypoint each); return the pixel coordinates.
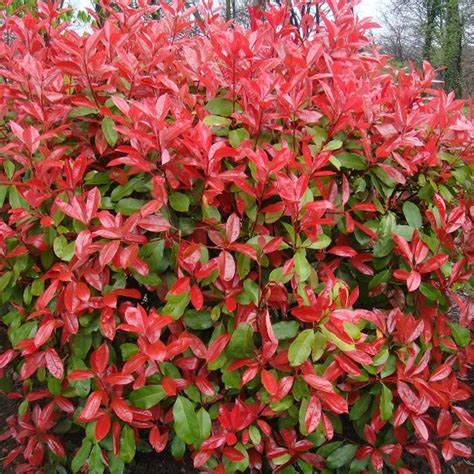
(238, 242)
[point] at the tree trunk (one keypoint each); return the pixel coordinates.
(433, 11)
(452, 47)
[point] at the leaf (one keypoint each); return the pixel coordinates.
(412, 214)
(82, 111)
(351, 161)
(360, 407)
(216, 121)
(81, 456)
(179, 202)
(333, 145)
(461, 335)
(204, 421)
(186, 423)
(237, 136)
(386, 404)
(241, 342)
(341, 456)
(127, 444)
(322, 242)
(302, 266)
(109, 131)
(63, 249)
(148, 396)
(300, 348)
(198, 319)
(96, 466)
(220, 106)
(285, 329)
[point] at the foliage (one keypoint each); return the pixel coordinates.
(240, 243)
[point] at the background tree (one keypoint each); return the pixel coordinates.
(440, 31)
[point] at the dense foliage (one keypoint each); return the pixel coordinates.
(243, 243)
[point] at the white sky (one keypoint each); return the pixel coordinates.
(366, 7)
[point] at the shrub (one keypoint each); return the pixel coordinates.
(240, 242)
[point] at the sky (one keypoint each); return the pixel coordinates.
(365, 8)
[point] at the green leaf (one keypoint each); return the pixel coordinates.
(148, 396)
(360, 406)
(386, 404)
(96, 466)
(302, 266)
(198, 319)
(322, 242)
(81, 456)
(63, 249)
(129, 206)
(333, 145)
(379, 278)
(178, 447)
(9, 168)
(300, 348)
(341, 456)
(241, 343)
(128, 349)
(216, 121)
(389, 367)
(412, 214)
(430, 292)
(110, 133)
(352, 161)
(127, 444)
(82, 111)
(344, 346)
(179, 202)
(285, 329)
(186, 422)
(219, 106)
(204, 421)
(461, 335)
(237, 136)
(5, 280)
(25, 331)
(383, 247)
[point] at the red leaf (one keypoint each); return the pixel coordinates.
(108, 251)
(80, 375)
(44, 332)
(54, 363)
(444, 423)
(269, 382)
(440, 373)
(197, 298)
(313, 414)
(317, 382)
(100, 358)
(226, 265)
(343, 251)
(233, 454)
(102, 426)
(217, 346)
(7, 357)
(122, 410)
(232, 228)
(92, 406)
(413, 281)
(158, 440)
(201, 457)
(181, 285)
(337, 403)
(433, 263)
